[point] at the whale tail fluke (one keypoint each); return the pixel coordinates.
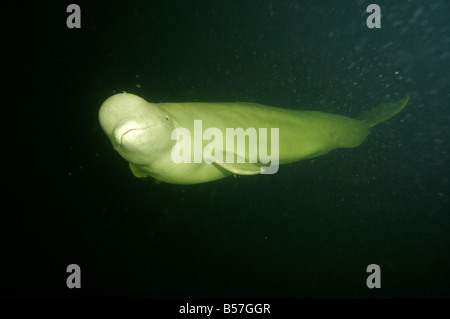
(383, 112)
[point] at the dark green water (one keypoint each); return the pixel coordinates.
(308, 231)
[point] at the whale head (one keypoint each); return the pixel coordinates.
(140, 131)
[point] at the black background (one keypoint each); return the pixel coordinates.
(308, 231)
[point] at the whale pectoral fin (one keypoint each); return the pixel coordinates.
(383, 111)
(137, 171)
(240, 168)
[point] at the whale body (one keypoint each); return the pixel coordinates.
(142, 133)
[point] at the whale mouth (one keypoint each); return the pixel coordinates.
(119, 134)
(120, 140)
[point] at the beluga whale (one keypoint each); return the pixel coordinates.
(192, 143)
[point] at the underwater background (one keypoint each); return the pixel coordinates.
(309, 231)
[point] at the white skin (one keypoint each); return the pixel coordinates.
(141, 132)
